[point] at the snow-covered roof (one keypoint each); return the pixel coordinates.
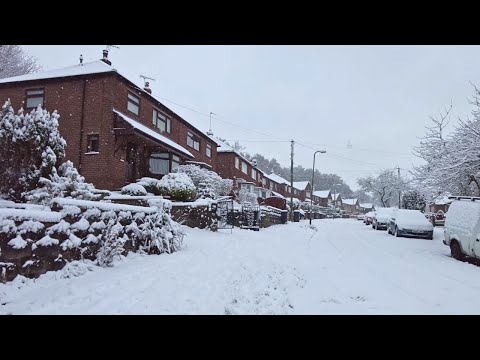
(93, 67)
(442, 200)
(349, 201)
(321, 193)
(366, 205)
(300, 185)
(142, 128)
(88, 68)
(276, 178)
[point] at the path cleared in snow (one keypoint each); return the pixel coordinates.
(342, 267)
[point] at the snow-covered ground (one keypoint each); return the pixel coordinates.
(343, 267)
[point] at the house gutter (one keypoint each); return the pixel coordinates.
(82, 117)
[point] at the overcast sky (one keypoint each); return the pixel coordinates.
(375, 98)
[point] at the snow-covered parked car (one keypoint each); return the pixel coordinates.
(381, 217)
(368, 218)
(462, 228)
(360, 216)
(410, 223)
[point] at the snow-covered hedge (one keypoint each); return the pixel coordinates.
(98, 231)
(150, 184)
(178, 186)
(134, 190)
(208, 183)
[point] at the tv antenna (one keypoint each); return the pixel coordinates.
(145, 78)
(114, 46)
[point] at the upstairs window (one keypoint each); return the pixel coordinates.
(237, 163)
(208, 150)
(193, 141)
(161, 121)
(133, 104)
(35, 97)
(244, 168)
(264, 182)
(254, 174)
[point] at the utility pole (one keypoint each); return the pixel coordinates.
(291, 179)
(399, 196)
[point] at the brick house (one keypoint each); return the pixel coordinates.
(440, 203)
(116, 132)
(351, 206)
(302, 190)
(322, 197)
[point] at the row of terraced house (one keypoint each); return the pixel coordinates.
(117, 132)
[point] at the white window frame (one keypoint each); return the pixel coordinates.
(35, 95)
(191, 142)
(208, 150)
(161, 121)
(254, 174)
(244, 168)
(237, 163)
(133, 103)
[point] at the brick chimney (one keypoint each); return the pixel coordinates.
(105, 57)
(147, 87)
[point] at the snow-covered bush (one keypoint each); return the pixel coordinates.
(31, 147)
(159, 234)
(134, 190)
(208, 183)
(150, 184)
(178, 186)
(245, 196)
(65, 182)
(111, 244)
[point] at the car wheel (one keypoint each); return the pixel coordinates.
(456, 251)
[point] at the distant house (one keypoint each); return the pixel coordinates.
(337, 200)
(322, 197)
(245, 173)
(441, 202)
(350, 206)
(366, 207)
(302, 190)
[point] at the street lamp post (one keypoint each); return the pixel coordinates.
(313, 178)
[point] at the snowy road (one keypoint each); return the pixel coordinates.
(343, 268)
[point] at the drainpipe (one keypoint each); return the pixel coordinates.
(81, 127)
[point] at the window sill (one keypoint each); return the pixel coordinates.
(92, 153)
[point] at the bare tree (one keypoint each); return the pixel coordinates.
(384, 187)
(14, 61)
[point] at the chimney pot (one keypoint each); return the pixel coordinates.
(147, 87)
(105, 57)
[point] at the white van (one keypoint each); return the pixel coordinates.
(462, 227)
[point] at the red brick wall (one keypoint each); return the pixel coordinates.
(103, 92)
(179, 128)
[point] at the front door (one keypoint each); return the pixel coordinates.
(131, 162)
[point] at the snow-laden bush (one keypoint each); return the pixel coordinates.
(134, 190)
(159, 234)
(208, 183)
(150, 184)
(65, 182)
(31, 147)
(178, 186)
(245, 196)
(111, 244)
